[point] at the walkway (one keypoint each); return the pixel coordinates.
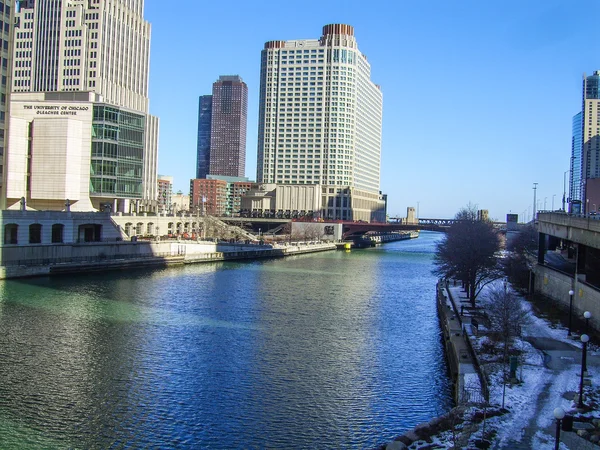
(551, 376)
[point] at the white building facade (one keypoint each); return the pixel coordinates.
(320, 115)
(100, 47)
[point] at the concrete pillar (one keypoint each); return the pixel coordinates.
(581, 262)
(541, 247)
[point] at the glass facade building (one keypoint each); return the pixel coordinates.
(203, 149)
(117, 153)
(575, 185)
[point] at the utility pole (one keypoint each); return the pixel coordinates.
(564, 190)
(534, 200)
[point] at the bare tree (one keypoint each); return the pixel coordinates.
(522, 252)
(507, 319)
(469, 252)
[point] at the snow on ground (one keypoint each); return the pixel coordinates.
(532, 400)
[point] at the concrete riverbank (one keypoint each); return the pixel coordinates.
(74, 258)
(469, 383)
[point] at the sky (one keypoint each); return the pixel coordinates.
(478, 95)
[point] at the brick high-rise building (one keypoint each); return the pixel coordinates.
(226, 111)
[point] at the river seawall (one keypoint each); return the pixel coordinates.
(74, 258)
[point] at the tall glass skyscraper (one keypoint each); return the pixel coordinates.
(576, 182)
(203, 150)
(585, 154)
(226, 111)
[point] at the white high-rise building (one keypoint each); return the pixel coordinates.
(101, 47)
(320, 119)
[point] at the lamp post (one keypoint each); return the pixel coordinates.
(587, 315)
(534, 199)
(584, 338)
(559, 414)
(553, 195)
(570, 310)
(564, 190)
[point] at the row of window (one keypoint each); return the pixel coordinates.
(11, 233)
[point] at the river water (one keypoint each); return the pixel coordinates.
(329, 350)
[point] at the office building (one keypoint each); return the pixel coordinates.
(226, 111)
(203, 149)
(585, 157)
(576, 180)
(320, 121)
(219, 195)
(165, 193)
(64, 58)
(7, 14)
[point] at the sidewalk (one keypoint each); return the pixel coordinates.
(550, 378)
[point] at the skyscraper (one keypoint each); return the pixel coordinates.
(226, 110)
(320, 117)
(319, 114)
(68, 50)
(204, 119)
(7, 12)
(585, 156)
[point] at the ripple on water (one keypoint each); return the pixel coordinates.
(323, 351)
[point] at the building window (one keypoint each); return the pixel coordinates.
(10, 233)
(57, 233)
(35, 233)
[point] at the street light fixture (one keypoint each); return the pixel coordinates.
(584, 338)
(559, 414)
(570, 309)
(587, 315)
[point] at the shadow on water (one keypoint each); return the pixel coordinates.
(326, 351)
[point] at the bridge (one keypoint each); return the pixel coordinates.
(351, 229)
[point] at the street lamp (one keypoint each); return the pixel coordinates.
(587, 315)
(553, 195)
(559, 414)
(570, 309)
(584, 338)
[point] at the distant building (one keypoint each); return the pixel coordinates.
(585, 151)
(320, 119)
(218, 195)
(576, 183)
(483, 215)
(165, 191)
(222, 123)
(311, 201)
(180, 202)
(203, 149)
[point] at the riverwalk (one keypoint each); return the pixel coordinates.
(95, 257)
(549, 376)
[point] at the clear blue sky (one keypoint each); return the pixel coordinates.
(478, 94)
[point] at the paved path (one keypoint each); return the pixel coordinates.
(562, 362)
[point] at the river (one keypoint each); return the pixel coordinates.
(329, 350)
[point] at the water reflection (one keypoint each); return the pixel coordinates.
(307, 352)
